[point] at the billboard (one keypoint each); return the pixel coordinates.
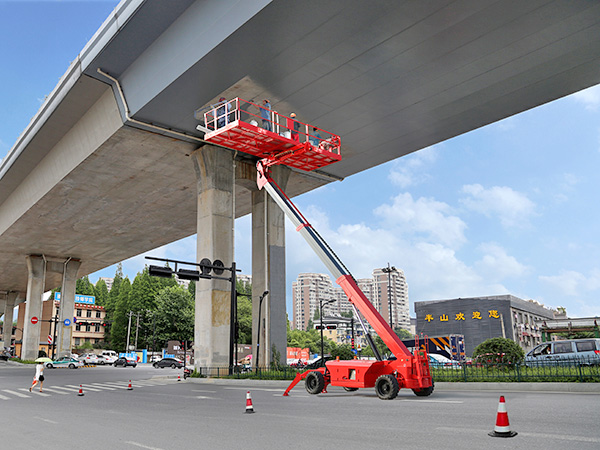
(85, 299)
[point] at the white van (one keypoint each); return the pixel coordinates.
(110, 355)
(576, 351)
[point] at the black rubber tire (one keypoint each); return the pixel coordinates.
(173, 366)
(314, 382)
(387, 387)
(155, 365)
(71, 366)
(349, 389)
(102, 363)
(50, 366)
(424, 392)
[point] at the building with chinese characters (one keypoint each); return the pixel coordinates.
(482, 318)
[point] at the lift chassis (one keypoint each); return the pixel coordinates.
(406, 370)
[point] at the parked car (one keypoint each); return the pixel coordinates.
(155, 358)
(173, 363)
(125, 361)
(110, 355)
(441, 362)
(559, 353)
(64, 362)
(89, 358)
(102, 360)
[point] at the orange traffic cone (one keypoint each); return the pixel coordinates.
(502, 428)
(129, 388)
(249, 407)
(80, 394)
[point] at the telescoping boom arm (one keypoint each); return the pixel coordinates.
(342, 275)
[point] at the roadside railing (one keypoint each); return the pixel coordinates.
(569, 370)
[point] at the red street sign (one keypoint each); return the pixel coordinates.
(34, 320)
(49, 339)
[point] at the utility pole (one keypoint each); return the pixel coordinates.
(137, 329)
(389, 270)
(128, 332)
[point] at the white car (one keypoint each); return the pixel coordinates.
(105, 359)
(89, 358)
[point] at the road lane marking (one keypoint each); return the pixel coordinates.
(65, 389)
(4, 397)
(203, 397)
(137, 444)
(86, 387)
(202, 390)
(18, 394)
(106, 386)
(56, 391)
(431, 401)
(43, 419)
(256, 389)
(41, 394)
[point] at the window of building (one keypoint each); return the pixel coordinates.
(78, 313)
(77, 341)
(97, 328)
(96, 341)
(98, 315)
(87, 328)
(89, 313)
(77, 327)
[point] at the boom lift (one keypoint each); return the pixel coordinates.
(307, 152)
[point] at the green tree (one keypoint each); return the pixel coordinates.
(403, 334)
(120, 318)
(174, 315)
(499, 350)
(343, 351)
(101, 293)
(83, 286)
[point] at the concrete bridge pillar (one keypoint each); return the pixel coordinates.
(215, 181)
(9, 309)
(36, 267)
(64, 336)
(268, 274)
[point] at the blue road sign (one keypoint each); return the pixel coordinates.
(67, 322)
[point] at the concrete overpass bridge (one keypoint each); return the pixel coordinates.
(112, 165)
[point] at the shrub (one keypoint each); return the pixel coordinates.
(498, 351)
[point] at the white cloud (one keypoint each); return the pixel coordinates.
(407, 171)
(512, 208)
(496, 264)
(424, 217)
(590, 97)
(573, 283)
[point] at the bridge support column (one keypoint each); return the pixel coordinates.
(36, 267)
(9, 310)
(64, 338)
(215, 179)
(268, 274)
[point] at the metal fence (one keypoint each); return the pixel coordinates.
(566, 370)
(574, 370)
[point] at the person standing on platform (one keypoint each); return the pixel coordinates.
(222, 112)
(294, 126)
(265, 113)
(38, 377)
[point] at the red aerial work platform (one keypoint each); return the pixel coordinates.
(235, 124)
(232, 125)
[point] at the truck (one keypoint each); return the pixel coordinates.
(452, 346)
(311, 149)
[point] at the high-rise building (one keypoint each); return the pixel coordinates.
(108, 282)
(310, 288)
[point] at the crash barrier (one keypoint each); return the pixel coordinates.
(575, 370)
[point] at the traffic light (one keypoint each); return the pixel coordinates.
(352, 343)
(331, 327)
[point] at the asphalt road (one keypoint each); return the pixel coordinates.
(162, 413)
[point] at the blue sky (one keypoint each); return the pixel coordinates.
(510, 208)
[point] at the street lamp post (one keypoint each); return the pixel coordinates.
(389, 270)
(260, 300)
(321, 315)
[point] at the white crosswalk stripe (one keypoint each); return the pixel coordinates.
(56, 391)
(66, 389)
(84, 387)
(41, 394)
(18, 394)
(4, 397)
(108, 386)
